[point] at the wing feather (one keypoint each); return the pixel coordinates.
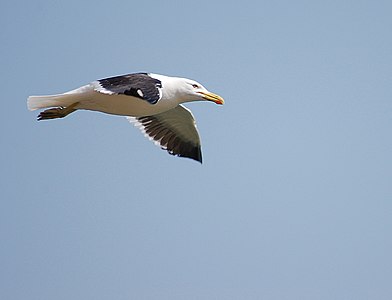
(139, 85)
(174, 130)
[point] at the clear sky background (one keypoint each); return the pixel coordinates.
(293, 200)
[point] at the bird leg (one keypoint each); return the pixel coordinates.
(57, 112)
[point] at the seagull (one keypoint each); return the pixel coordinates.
(152, 102)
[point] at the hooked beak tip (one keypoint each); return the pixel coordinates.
(213, 97)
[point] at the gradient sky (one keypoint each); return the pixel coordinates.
(294, 196)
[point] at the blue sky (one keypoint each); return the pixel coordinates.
(293, 200)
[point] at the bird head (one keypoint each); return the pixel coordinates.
(194, 91)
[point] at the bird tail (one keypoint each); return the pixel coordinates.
(38, 102)
(59, 100)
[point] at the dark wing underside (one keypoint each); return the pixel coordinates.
(173, 130)
(139, 85)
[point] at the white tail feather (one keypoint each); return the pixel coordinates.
(37, 102)
(66, 99)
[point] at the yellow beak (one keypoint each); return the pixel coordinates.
(212, 97)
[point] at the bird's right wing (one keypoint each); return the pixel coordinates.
(174, 130)
(139, 85)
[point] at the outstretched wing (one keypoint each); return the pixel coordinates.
(140, 85)
(174, 130)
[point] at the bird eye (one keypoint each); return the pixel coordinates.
(195, 86)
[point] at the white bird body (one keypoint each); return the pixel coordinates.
(151, 101)
(93, 97)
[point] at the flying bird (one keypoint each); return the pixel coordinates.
(150, 101)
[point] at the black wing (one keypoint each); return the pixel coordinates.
(140, 85)
(174, 130)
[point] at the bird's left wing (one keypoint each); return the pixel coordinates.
(139, 85)
(174, 130)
